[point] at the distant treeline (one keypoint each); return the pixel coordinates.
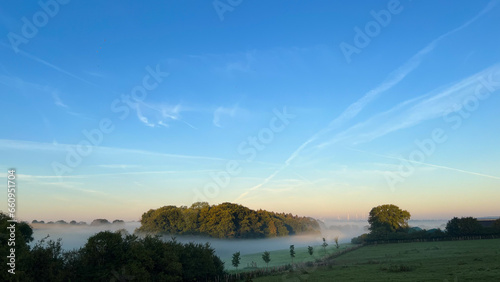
(106, 256)
(225, 220)
(456, 229)
(95, 222)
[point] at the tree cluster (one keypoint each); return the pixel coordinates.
(388, 223)
(95, 222)
(109, 256)
(225, 220)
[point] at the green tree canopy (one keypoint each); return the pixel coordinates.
(388, 218)
(310, 250)
(464, 226)
(266, 257)
(236, 259)
(225, 220)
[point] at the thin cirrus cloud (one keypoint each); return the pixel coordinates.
(349, 113)
(27, 88)
(425, 164)
(163, 115)
(222, 113)
(415, 111)
(8, 144)
(354, 109)
(160, 115)
(21, 84)
(52, 66)
(47, 180)
(393, 79)
(57, 100)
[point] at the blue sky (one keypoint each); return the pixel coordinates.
(323, 109)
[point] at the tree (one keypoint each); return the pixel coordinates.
(99, 221)
(324, 245)
(336, 239)
(23, 235)
(236, 259)
(496, 225)
(267, 258)
(387, 219)
(310, 250)
(464, 226)
(292, 252)
(46, 260)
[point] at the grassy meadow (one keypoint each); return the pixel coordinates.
(477, 260)
(282, 257)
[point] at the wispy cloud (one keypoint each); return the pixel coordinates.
(429, 164)
(22, 84)
(130, 172)
(221, 112)
(115, 166)
(25, 87)
(269, 178)
(7, 144)
(393, 79)
(354, 109)
(57, 100)
(161, 114)
(231, 64)
(52, 66)
(45, 180)
(95, 74)
(243, 65)
(415, 111)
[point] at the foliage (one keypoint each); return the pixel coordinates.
(236, 259)
(23, 235)
(266, 257)
(388, 218)
(310, 250)
(226, 220)
(292, 252)
(324, 245)
(360, 239)
(496, 225)
(99, 221)
(464, 226)
(109, 256)
(336, 239)
(455, 228)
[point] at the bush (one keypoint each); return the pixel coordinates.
(109, 256)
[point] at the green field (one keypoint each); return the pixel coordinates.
(431, 261)
(282, 257)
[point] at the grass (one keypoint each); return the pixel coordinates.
(452, 261)
(281, 257)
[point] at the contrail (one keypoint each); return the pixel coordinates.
(34, 58)
(261, 184)
(393, 79)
